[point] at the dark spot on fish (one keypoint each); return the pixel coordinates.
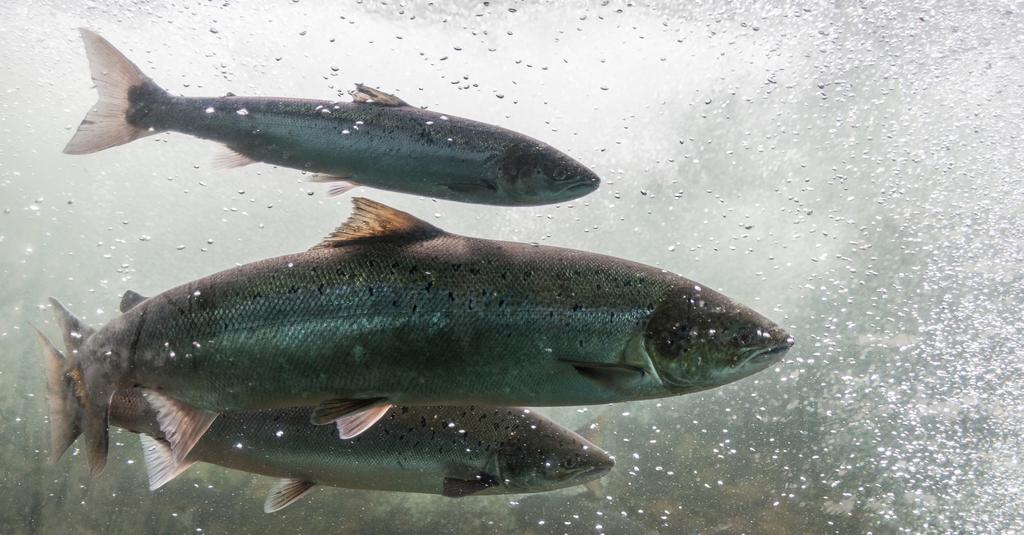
(320, 289)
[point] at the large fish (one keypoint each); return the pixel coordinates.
(451, 451)
(389, 309)
(377, 140)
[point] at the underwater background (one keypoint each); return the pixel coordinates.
(850, 170)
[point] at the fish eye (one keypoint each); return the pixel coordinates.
(569, 463)
(745, 338)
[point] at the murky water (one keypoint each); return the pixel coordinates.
(852, 172)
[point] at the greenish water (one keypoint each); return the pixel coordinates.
(853, 172)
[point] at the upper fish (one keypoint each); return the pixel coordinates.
(390, 309)
(377, 140)
(451, 451)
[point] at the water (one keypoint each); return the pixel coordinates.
(852, 172)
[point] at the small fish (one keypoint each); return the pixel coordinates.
(390, 310)
(451, 451)
(377, 140)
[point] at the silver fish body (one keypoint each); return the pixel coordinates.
(377, 140)
(451, 451)
(391, 310)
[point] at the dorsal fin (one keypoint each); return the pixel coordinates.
(75, 332)
(130, 299)
(373, 220)
(369, 95)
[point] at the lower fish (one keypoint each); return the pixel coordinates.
(451, 451)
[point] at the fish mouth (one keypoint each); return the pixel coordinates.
(772, 353)
(586, 473)
(599, 470)
(581, 188)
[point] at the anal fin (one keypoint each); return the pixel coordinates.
(161, 467)
(285, 492)
(230, 158)
(339, 184)
(182, 424)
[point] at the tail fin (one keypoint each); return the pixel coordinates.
(65, 409)
(74, 409)
(117, 80)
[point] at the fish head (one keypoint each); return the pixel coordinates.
(698, 339)
(548, 457)
(532, 172)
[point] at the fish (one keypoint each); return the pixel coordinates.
(391, 310)
(376, 140)
(448, 451)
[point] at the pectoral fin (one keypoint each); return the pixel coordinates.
(471, 188)
(285, 492)
(457, 488)
(608, 375)
(182, 424)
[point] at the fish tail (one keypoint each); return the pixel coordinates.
(74, 407)
(65, 411)
(125, 97)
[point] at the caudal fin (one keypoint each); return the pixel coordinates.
(65, 410)
(120, 84)
(74, 409)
